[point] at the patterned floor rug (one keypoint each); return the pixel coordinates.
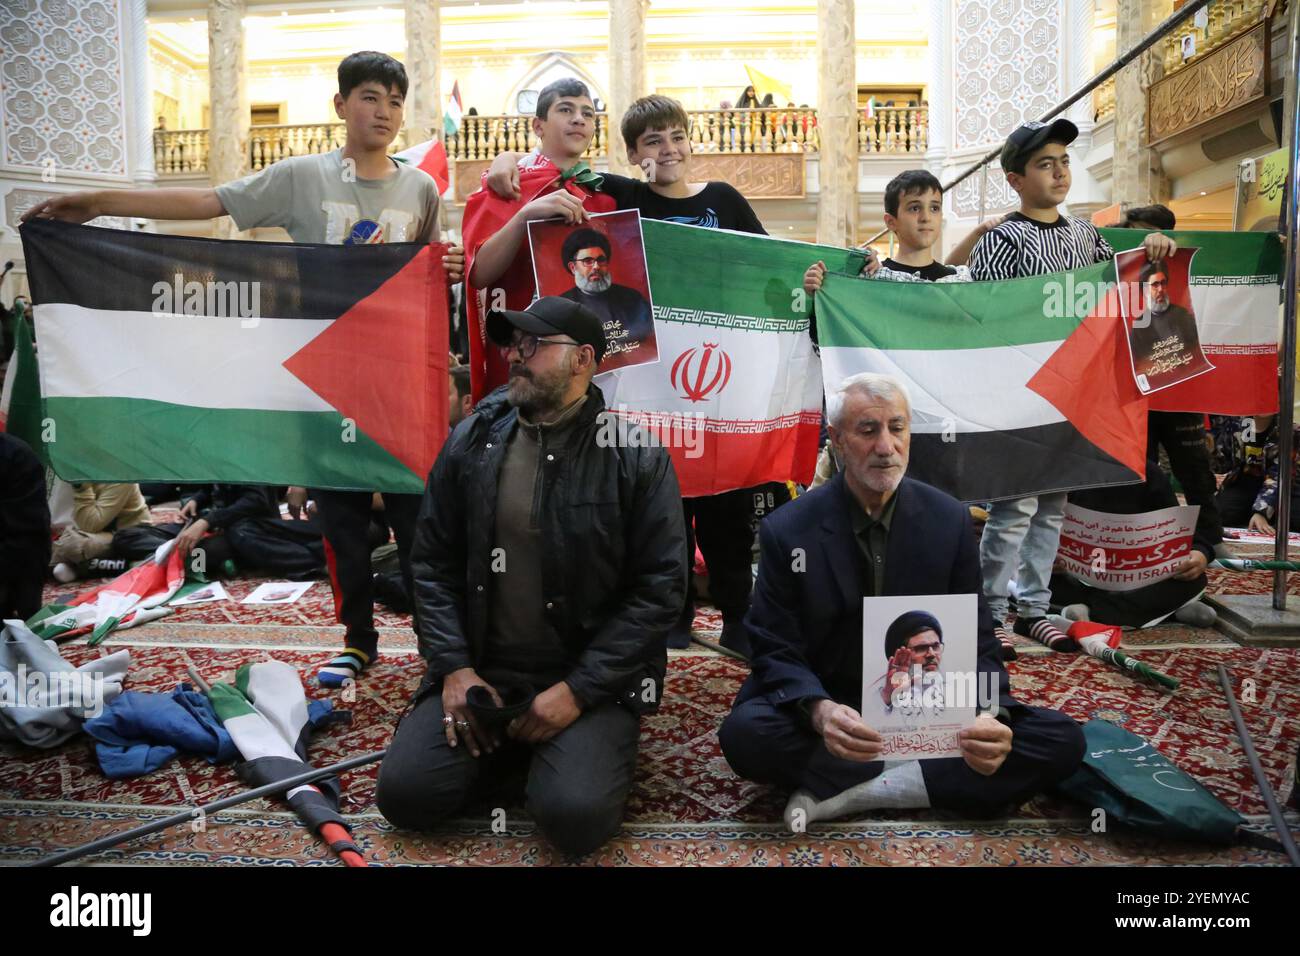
(687, 808)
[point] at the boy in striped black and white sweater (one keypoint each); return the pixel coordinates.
(1022, 534)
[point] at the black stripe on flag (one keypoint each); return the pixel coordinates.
(118, 270)
(990, 466)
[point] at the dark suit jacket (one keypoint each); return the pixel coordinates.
(806, 627)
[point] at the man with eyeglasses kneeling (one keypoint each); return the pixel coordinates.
(549, 565)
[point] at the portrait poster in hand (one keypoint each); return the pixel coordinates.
(601, 264)
(920, 685)
(1156, 301)
(1119, 552)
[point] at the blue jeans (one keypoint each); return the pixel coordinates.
(1021, 538)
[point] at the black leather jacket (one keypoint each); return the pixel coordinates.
(612, 525)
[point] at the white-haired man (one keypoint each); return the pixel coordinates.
(870, 531)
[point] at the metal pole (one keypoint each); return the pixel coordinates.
(1252, 758)
(1286, 400)
(185, 816)
(1173, 20)
(984, 188)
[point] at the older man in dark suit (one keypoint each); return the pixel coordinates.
(796, 722)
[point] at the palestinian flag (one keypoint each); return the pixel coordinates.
(1234, 285)
(451, 119)
(1012, 394)
(21, 411)
(736, 396)
(130, 599)
(268, 716)
(485, 214)
(166, 358)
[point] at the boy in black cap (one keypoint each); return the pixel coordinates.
(1022, 535)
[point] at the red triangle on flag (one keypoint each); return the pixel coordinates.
(383, 362)
(1089, 380)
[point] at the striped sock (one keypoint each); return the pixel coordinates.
(1045, 632)
(1008, 646)
(347, 666)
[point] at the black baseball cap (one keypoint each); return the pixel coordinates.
(1027, 137)
(550, 315)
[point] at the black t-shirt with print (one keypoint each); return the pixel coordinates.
(931, 273)
(717, 206)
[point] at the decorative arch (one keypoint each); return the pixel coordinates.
(552, 66)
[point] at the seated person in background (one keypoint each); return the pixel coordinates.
(549, 565)
(1247, 448)
(872, 531)
(24, 529)
(242, 524)
(1136, 608)
(98, 510)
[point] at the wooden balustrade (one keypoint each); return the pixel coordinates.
(894, 129)
(486, 137)
(180, 151)
(1224, 20)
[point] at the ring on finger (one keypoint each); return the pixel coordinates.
(462, 725)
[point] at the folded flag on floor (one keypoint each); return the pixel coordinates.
(128, 600)
(176, 359)
(267, 715)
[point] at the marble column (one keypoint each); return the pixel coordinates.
(227, 99)
(424, 105)
(139, 116)
(837, 123)
(627, 72)
(1079, 67)
(938, 60)
(1136, 177)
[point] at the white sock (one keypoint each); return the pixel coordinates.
(900, 787)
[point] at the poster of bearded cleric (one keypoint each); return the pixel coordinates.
(1156, 302)
(601, 263)
(920, 683)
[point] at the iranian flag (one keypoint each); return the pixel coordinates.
(176, 359)
(1017, 388)
(130, 599)
(1234, 287)
(736, 396)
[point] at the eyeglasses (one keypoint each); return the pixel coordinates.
(526, 346)
(588, 261)
(926, 647)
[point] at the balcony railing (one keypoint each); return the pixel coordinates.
(180, 151)
(486, 137)
(1224, 20)
(886, 130)
(184, 152)
(904, 129)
